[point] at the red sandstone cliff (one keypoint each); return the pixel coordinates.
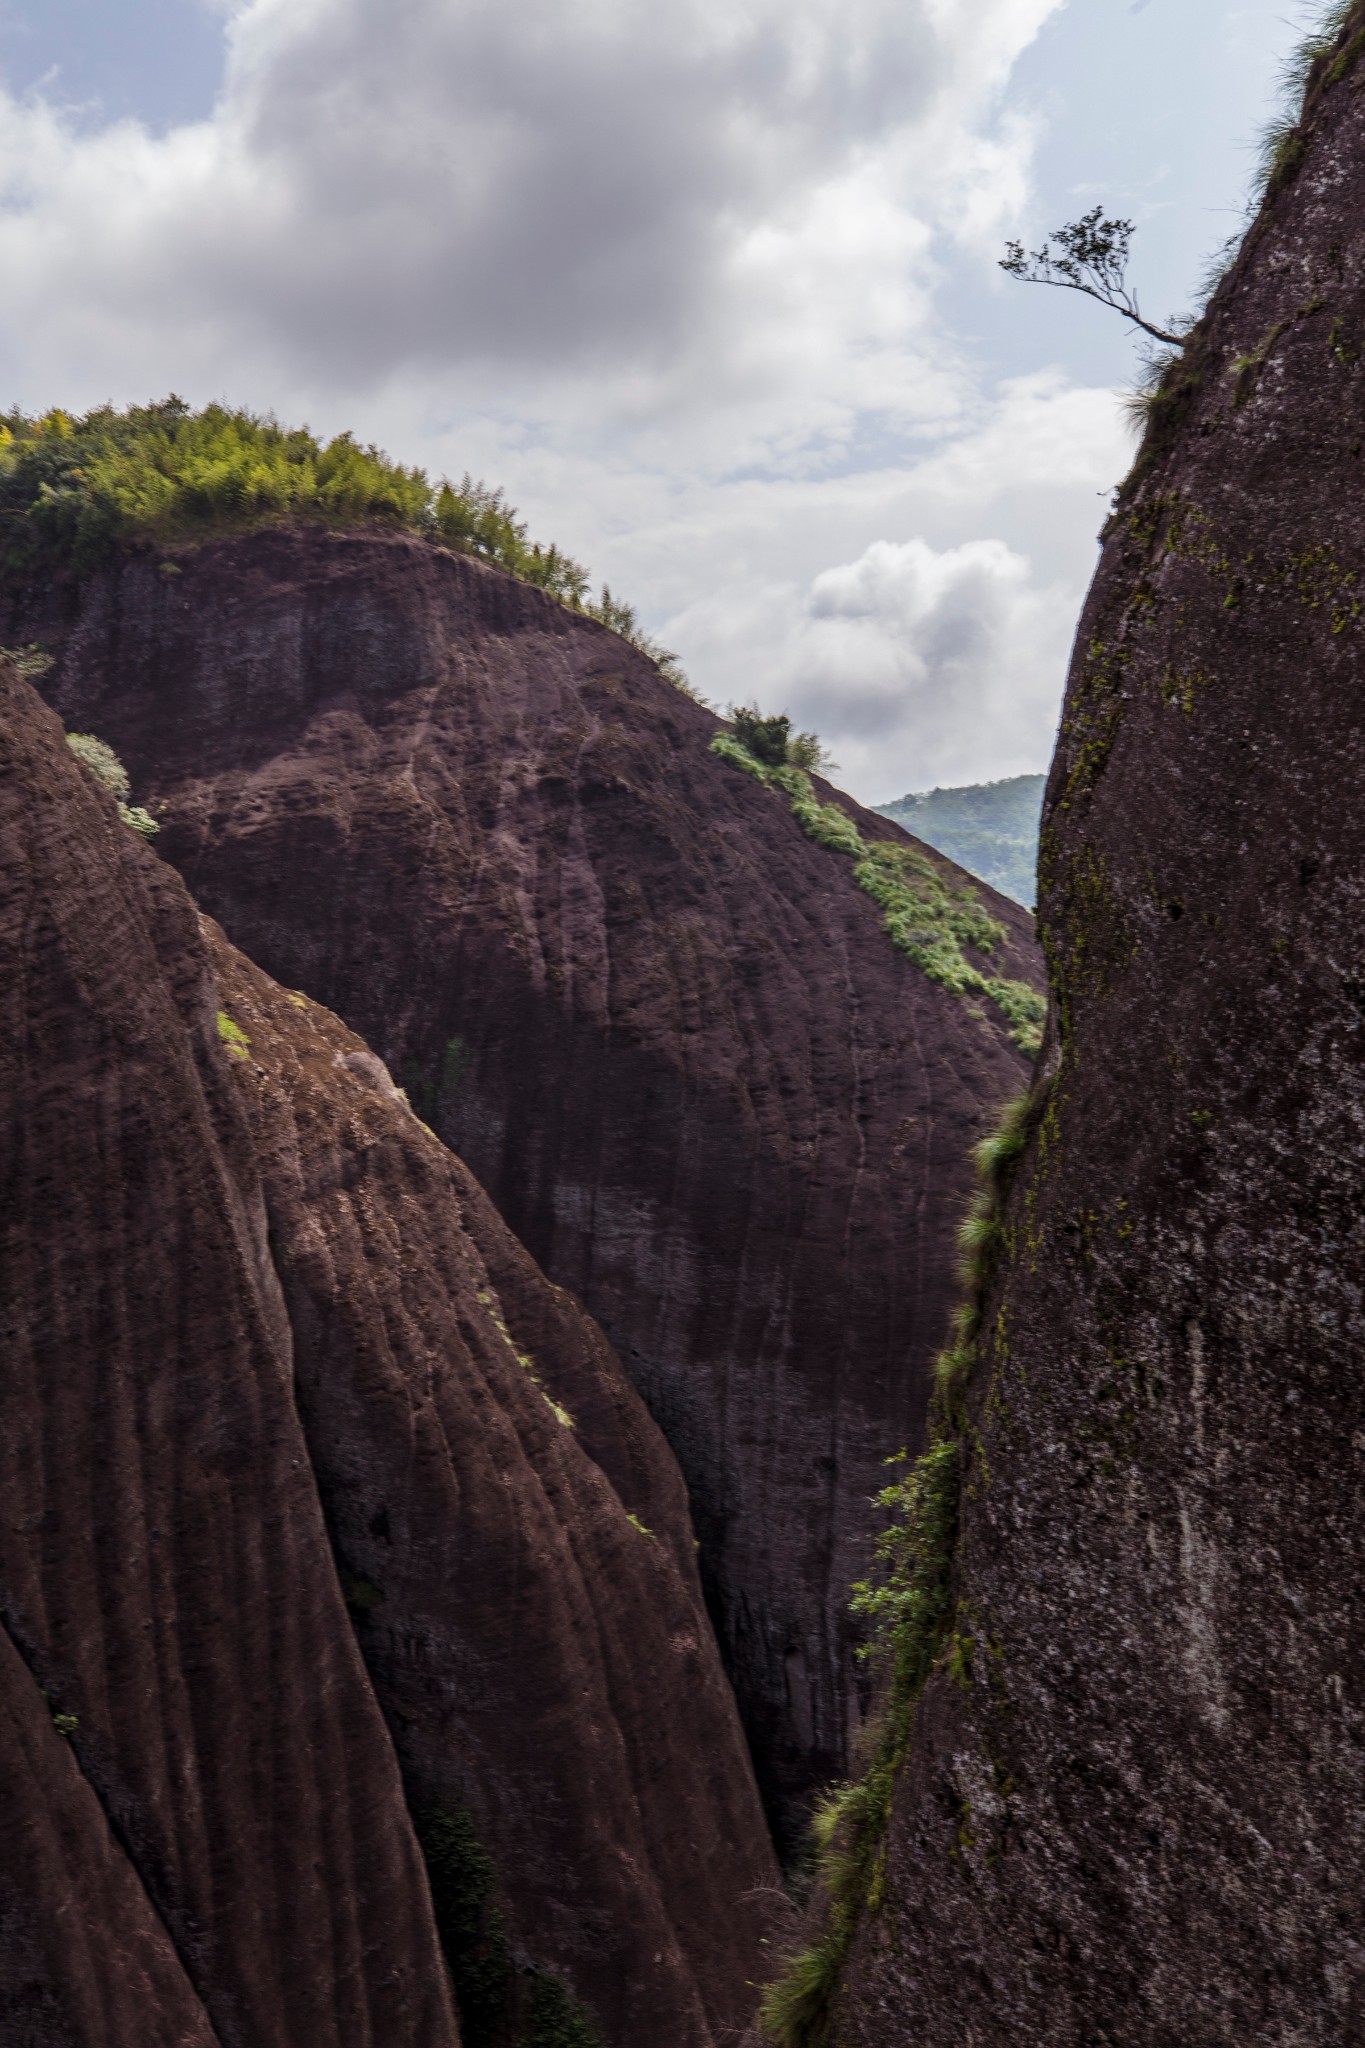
(666, 1029)
(1132, 1809)
(269, 1353)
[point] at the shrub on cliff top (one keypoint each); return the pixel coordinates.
(74, 489)
(772, 741)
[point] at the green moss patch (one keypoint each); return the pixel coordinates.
(926, 919)
(104, 764)
(473, 1932)
(233, 1036)
(497, 2007)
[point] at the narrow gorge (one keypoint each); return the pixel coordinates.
(636, 1416)
(1119, 1803)
(359, 1653)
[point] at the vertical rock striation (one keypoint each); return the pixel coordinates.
(512, 1535)
(1131, 1812)
(666, 1029)
(85, 1962)
(323, 1509)
(165, 1572)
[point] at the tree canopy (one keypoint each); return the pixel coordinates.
(1091, 256)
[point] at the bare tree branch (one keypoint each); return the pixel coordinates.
(1091, 257)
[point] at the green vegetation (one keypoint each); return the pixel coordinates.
(1282, 145)
(989, 828)
(772, 741)
(104, 764)
(924, 918)
(473, 1932)
(233, 1037)
(473, 1936)
(72, 490)
(554, 2019)
(31, 661)
(911, 1608)
(1143, 405)
(909, 1603)
(524, 1359)
(1091, 257)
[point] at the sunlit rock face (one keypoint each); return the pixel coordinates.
(1135, 1815)
(666, 1029)
(332, 1527)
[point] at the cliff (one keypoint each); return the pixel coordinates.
(1129, 1811)
(665, 1027)
(333, 1534)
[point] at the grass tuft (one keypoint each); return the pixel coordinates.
(1283, 144)
(1144, 401)
(233, 1037)
(31, 661)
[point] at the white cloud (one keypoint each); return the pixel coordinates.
(948, 661)
(668, 273)
(916, 665)
(673, 207)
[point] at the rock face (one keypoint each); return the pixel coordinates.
(1136, 1817)
(665, 1028)
(165, 1568)
(513, 1537)
(271, 1355)
(68, 1895)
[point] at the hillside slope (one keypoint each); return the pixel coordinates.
(1131, 1810)
(989, 828)
(324, 1509)
(667, 1030)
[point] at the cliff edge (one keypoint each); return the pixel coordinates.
(1129, 1811)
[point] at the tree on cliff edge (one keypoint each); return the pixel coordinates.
(1091, 257)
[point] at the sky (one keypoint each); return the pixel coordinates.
(711, 289)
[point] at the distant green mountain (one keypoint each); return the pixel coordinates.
(989, 828)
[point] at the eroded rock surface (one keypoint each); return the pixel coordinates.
(164, 1567)
(270, 1356)
(85, 1962)
(1137, 1818)
(513, 1537)
(667, 1030)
